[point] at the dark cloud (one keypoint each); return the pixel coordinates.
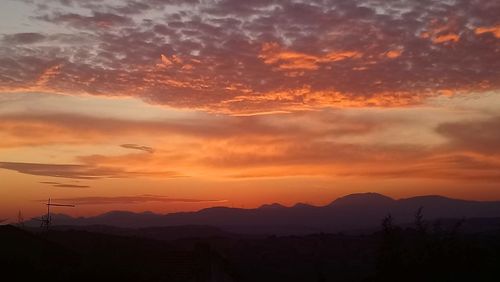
(64, 185)
(49, 182)
(316, 153)
(479, 136)
(452, 166)
(60, 170)
(130, 200)
(73, 128)
(138, 147)
(95, 21)
(76, 171)
(23, 38)
(216, 55)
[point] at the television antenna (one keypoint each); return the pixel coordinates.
(47, 219)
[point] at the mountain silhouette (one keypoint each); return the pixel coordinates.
(271, 206)
(351, 212)
(362, 199)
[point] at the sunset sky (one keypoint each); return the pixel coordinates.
(170, 105)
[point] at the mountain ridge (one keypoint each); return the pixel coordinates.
(350, 212)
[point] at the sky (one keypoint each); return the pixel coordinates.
(170, 105)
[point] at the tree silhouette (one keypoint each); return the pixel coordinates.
(420, 253)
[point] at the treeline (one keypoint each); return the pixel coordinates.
(432, 251)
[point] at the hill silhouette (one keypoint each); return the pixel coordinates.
(75, 255)
(421, 251)
(349, 213)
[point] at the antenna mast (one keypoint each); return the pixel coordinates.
(48, 218)
(20, 220)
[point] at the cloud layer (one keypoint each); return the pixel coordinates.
(138, 147)
(313, 143)
(77, 171)
(239, 56)
(63, 185)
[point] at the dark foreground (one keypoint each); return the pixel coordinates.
(423, 252)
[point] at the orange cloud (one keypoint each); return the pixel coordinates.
(274, 54)
(176, 60)
(442, 31)
(339, 56)
(450, 37)
(165, 60)
(313, 143)
(392, 54)
(47, 75)
(305, 98)
(495, 30)
(287, 60)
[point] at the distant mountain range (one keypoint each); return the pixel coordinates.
(362, 211)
